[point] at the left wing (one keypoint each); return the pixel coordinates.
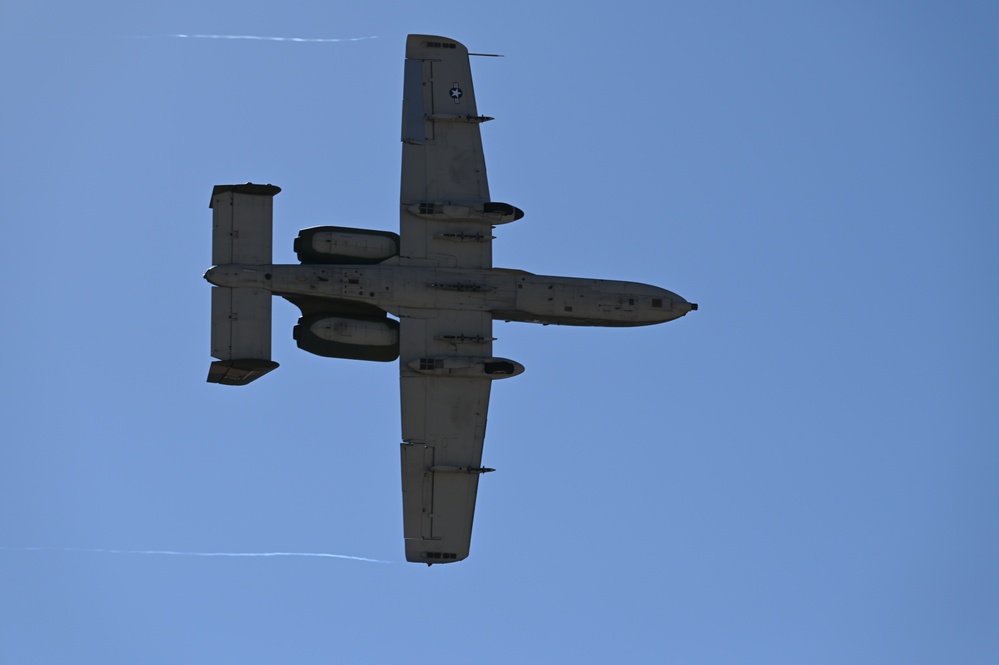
(444, 403)
(446, 214)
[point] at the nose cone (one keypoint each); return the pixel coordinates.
(678, 306)
(681, 306)
(210, 276)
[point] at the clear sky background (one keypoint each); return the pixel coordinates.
(803, 471)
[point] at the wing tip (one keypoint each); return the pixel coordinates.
(422, 47)
(430, 557)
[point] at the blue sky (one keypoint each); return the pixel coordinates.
(801, 471)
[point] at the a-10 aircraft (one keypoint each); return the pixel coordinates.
(436, 277)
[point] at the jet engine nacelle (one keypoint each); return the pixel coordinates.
(344, 245)
(333, 335)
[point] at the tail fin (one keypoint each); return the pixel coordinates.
(242, 221)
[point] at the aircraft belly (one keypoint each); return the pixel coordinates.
(436, 276)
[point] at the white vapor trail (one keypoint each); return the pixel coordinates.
(174, 553)
(275, 39)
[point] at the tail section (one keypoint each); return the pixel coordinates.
(241, 335)
(242, 221)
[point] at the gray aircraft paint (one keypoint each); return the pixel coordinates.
(435, 276)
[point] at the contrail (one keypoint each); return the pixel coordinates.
(174, 553)
(272, 39)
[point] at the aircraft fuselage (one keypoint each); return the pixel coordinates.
(509, 295)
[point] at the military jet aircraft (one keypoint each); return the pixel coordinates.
(436, 277)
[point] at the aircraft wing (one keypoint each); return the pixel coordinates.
(443, 427)
(444, 189)
(445, 221)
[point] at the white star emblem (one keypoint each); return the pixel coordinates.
(456, 93)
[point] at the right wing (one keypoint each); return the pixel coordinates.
(443, 428)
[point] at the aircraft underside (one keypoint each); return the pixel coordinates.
(508, 295)
(435, 277)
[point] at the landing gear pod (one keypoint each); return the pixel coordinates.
(492, 212)
(468, 367)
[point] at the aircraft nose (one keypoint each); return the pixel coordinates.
(209, 275)
(679, 306)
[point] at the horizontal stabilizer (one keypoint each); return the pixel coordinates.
(241, 335)
(242, 217)
(239, 372)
